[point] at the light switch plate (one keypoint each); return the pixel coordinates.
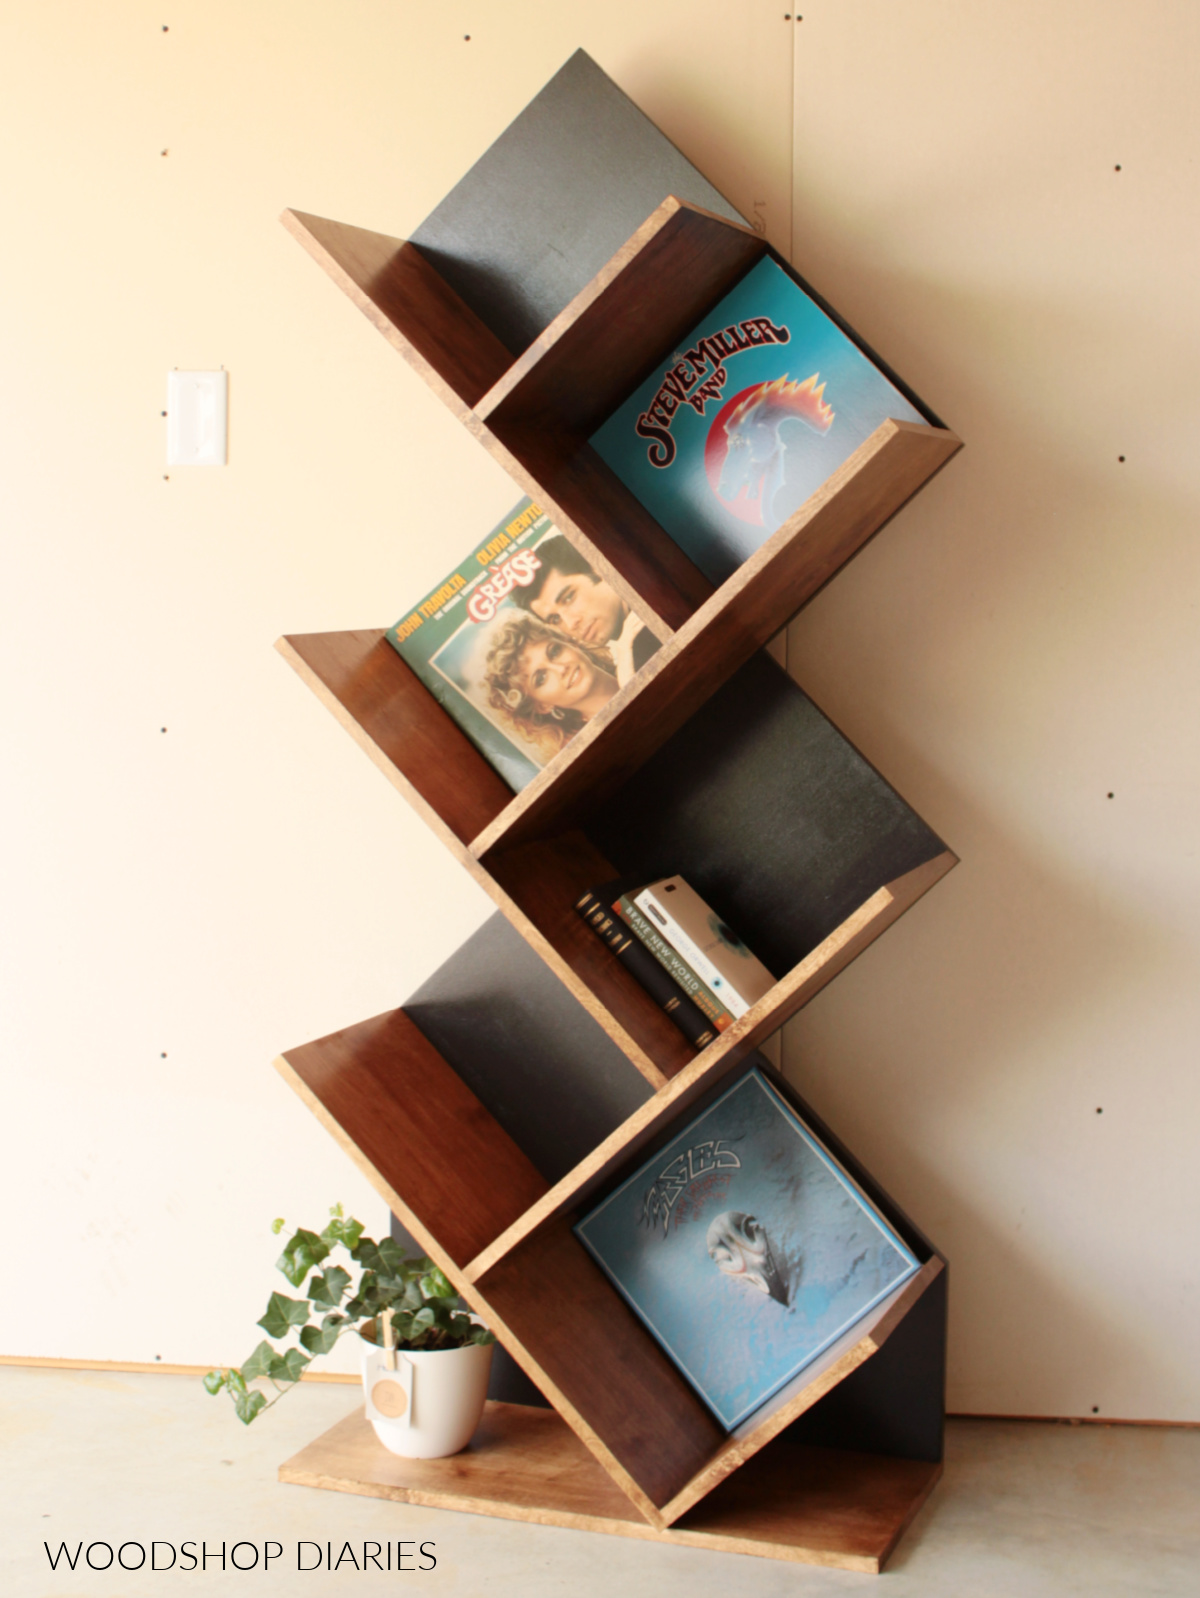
(197, 418)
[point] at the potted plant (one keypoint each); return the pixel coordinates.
(425, 1360)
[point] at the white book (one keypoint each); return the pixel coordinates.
(715, 953)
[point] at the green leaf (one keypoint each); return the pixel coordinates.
(302, 1252)
(328, 1287)
(423, 1320)
(320, 1339)
(214, 1381)
(287, 1368)
(345, 1231)
(278, 1224)
(249, 1405)
(282, 1314)
(391, 1258)
(480, 1334)
(235, 1381)
(435, 1285)
(259, 1362)
(366, 1253)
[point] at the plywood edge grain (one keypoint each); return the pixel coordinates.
(526, 1466)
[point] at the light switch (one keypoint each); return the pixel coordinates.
(197, 418)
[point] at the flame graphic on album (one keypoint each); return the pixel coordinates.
(744, 456)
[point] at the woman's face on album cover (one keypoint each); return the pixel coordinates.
(556, 675)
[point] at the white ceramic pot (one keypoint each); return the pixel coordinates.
(430, 1405)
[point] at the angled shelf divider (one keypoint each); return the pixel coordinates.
(531, 1072)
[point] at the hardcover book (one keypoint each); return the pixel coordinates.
(597, 911)
(710, 948)
(745, 1248)
(761, 402)
(523, 643)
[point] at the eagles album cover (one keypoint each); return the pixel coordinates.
(745, 1248)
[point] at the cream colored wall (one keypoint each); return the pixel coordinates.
(1016, 645)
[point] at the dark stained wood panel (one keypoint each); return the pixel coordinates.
(582, 493)
(411, 1121)
(410, 303)
(390, 713)
(603, 1361)
(545, 879)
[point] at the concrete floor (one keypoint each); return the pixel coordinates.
(1024, 1509)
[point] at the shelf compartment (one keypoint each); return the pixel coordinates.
(709, 1067)
(622, 1393)
(791, 1502)
(417, 1132)
(758, 800)
(542, 406)
(416, 743)
(489, 1219)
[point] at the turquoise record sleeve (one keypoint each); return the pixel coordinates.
(745, 1248)
(761, 402)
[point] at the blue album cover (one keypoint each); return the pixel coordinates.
(761, 402)
(745, 1248)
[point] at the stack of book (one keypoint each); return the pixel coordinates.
(689, 961)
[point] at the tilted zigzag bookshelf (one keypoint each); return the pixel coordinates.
(711, 762)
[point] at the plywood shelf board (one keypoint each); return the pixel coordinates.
(603, 1362)
(390, 714)
(809, 1505)
(586, 500)
(410, 303)
(401, 1107)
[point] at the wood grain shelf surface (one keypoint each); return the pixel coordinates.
(396, 1106)
(808, 1505)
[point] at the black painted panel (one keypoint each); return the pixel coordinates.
(769, 812)
(553, 199)
(895, 1403)
(527, 1049)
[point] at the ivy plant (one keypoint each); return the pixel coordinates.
(426, 1313)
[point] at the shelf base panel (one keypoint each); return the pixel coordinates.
(793, 1502)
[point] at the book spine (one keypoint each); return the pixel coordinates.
(674, 964)
(683, 945)
(642, 965)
